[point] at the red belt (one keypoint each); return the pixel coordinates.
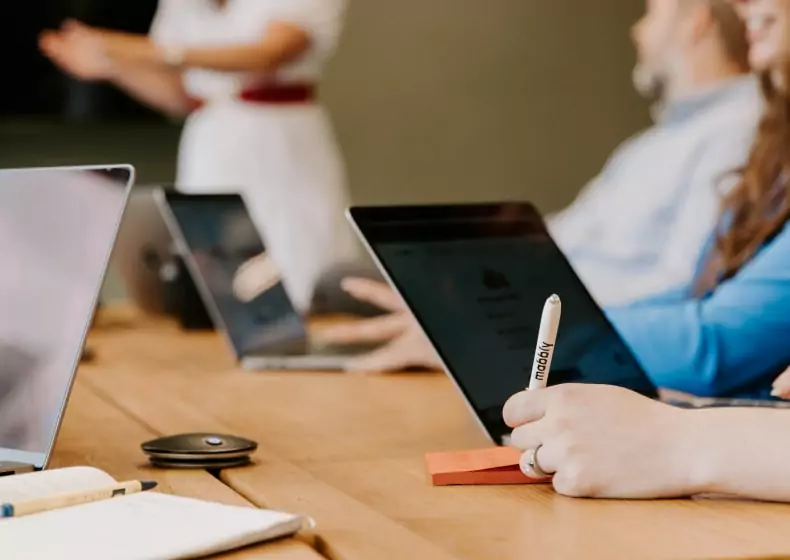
(271, 95)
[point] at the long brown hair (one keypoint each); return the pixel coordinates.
(758, 207)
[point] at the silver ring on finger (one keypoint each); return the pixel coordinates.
(534, 466)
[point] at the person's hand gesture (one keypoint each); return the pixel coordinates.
(77, 50)
(404, 343)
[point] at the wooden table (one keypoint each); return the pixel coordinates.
(348, 450)
(95, 432)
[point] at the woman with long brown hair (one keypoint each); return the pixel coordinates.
(603, 441)
(245, 75)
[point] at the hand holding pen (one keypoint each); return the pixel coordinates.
(541, 366)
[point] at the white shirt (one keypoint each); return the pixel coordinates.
(200, 23)
(638, 228)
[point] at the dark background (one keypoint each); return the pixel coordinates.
(37, 88)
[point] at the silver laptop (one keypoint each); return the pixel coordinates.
(141, 251)
(57, 229)
(240, 284)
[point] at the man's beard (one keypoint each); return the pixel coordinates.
(648, 83)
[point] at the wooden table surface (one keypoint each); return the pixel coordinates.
(348, 450)
(95, 432)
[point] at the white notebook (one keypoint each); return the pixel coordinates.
(142, 526)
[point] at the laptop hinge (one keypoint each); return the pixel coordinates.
(8, 468)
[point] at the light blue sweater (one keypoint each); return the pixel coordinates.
(731, 343)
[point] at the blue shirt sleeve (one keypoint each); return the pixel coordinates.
(717, 346)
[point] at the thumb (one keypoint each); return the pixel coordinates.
(781, 386)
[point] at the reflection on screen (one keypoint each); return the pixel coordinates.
(480, 300)
(244, 284)
(57, 228)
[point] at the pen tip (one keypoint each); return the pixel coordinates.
(148, 484)
(554, 298)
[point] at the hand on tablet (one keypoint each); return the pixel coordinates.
(781, 386)
(604, 442)
(404, 343)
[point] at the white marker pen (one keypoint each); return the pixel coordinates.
(547, 338)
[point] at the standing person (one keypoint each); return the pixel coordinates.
(245, 73)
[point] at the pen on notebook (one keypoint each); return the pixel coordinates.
(39, 505)
(547, 338)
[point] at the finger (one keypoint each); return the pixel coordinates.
(373, 292)
(388, 358)
(546, 459)
(533, 463)
(367, 331)
(529, 436)
(781, 385)
(524, 407)
(48, 41)
(781, 391)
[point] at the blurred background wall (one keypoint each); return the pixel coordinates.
(432, 99)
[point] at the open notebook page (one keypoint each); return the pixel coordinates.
(144, 526)
(44, 484)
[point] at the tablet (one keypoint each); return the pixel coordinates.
(476, 277)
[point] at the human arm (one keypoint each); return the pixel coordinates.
(286, 30)
(144, 65)
(608, 442)
(282, 42)
(721, 344)
(76, 52)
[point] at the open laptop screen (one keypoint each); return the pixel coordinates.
(57, 228)
(477, 277)
(239, 283)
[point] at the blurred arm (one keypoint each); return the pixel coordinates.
(158, 88)
(79, 51)
(281, 43)
(715, 346)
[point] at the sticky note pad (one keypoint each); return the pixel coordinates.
(495, 465)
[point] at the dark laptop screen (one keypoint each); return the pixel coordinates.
(240, 284)
(477, 277)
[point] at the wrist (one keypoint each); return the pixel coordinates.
(172, 56)
(703, 445)
(109, 67)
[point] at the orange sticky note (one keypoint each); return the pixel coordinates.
(495, 465)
